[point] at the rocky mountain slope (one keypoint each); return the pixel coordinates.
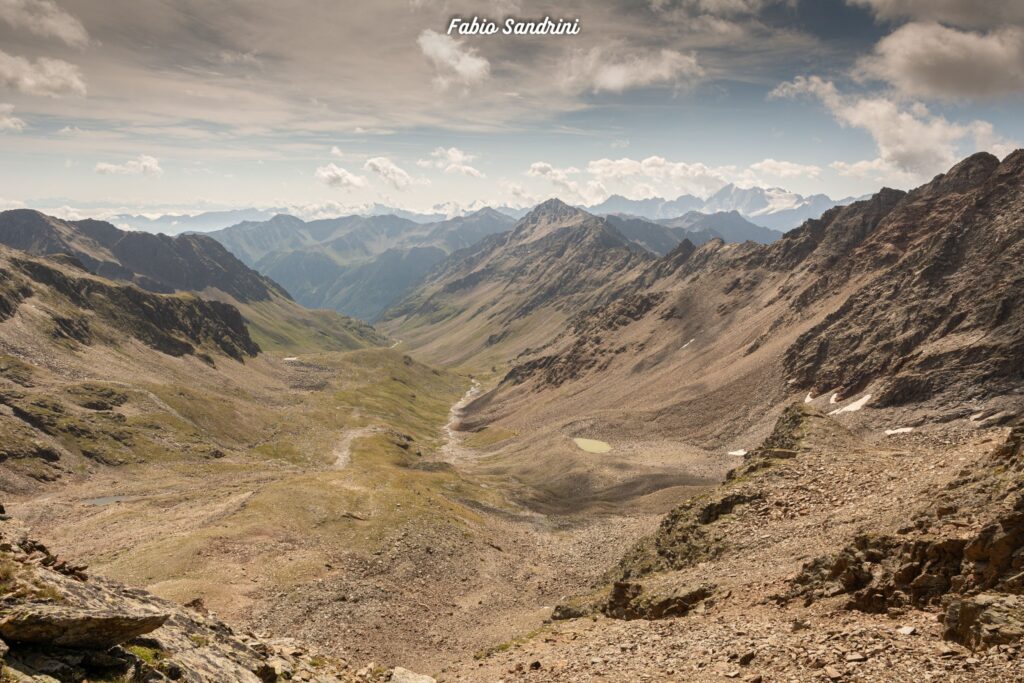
(904, 295)
(195, 263)
(336, 263)
(155, 262)
(514, 289)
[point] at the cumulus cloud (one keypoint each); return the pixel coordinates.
(679, 176)
(454, 62)
(140, 165)
(44, 18)
(599, 69)
(965, 13)
(910, 138)
(336, 176)
(451, 160)
(931, 60)
(336, 152)
(391, 173)
(517, 194)
(591, 192)
(8, 121)
(50, 77)
(785, 169)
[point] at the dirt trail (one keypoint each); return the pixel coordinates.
(343, 451)
(453, 451)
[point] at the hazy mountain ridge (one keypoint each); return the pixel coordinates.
(772, 208)
(334, 263)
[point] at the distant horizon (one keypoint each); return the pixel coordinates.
(124, 105)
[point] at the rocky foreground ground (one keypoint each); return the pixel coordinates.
(823, 558)
(58, 623)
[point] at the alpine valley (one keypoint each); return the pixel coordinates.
(641, 441)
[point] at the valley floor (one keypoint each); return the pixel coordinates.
(421, 559)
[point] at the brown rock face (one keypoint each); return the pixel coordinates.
(946, 313)
(985, 620)
(76, 628)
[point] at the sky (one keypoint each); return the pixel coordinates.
(324, 107)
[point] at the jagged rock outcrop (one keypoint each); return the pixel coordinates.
(979, 576)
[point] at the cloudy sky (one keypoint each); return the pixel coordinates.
(323, 105)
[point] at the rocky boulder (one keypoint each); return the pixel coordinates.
(76, 628)
(984, 620)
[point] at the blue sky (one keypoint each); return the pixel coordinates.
(323, 107)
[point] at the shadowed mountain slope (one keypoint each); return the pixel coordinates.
(155, 262)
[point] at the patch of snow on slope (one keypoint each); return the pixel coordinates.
(853, 407)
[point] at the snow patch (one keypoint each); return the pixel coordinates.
(899, 430)
(291, 359)
(808, 398)
(853, 407)
(685, 345)
(739, 452)
(834, 398)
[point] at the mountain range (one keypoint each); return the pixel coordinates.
(772, 208)
(578, 446)
(358, 265)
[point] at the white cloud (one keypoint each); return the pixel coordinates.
(674, 176)
(391, 173)
(598, 70)
(909, 138)
(336, 152)
(877, 171)
(967, 13)
(931, 60)
(591, 192)
(6, 204)
(785, 169)
(8, 121)
(454, 62)
(336, 176)
(141, 165)
(517, 194)
(233, 58)
(451, 160)
(44, 18)
(51, 77)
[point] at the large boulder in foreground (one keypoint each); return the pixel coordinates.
(76, 628)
